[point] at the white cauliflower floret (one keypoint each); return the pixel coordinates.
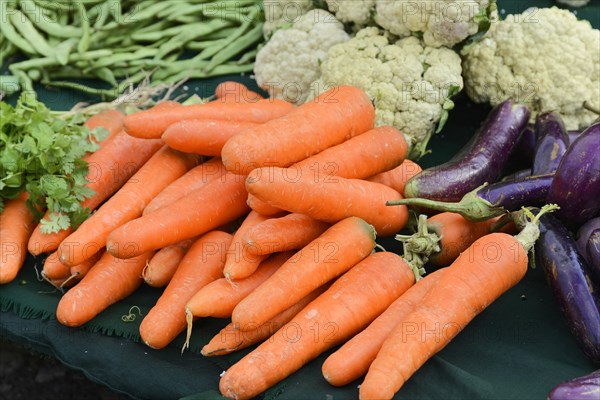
(356, 12)
(573, 3)
(289, 62)
(440, 22)
(543, 57)
(281, 13)
(409, 82)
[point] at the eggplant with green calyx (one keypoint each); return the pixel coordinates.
(576, 185)
(583, 388)
(568, 276)
(481, 160)
(552, 143)
(488, 201)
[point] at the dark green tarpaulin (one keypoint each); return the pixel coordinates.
(516, 349)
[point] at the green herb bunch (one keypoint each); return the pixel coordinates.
(41, 154)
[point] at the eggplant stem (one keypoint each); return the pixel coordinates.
(591, 108)
(531, 232)
(471, 206)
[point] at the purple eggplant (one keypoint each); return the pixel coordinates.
(489, 201)
(525, 148)
(593, 250)
(552, 143)
(585, 234)
(576, 185)
(481, 160)
(568, 277)
(573, 135)
(583, 388)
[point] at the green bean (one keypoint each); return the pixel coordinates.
(24, 81)
(9, 32)
(234, 48)
(51, 61)
(187, 35)
(142, 53)
(26, 28)
(152, 10)
(201, 45)
(63, 50)
(224, 69)
(102, 14)
(9, 84)
(106, 75)
(209, 52)
(201, 8)
(84, 42)
(43, 22)
(247, 56)
(221, 33)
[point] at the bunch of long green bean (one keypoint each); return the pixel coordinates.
(121, 42)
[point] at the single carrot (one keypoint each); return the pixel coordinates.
(162, 266)
(219, 298)
(290, 232)
(109, 168)
(442, 237)
(16, 225)
(54, 269)
(329, 119)
(127, 204)
(76, 273)
(202, 264)
(488, 268)
(352, 360)
(195, 178)
(240, 262)
(262, 207)
(219, 202)
(152, 123)
(230, 339)
(79, 271)
(327, 198)
(110, 280)
(200, 136)
(396, 178)
(350, 304)
(334, 252)
(375, 151)
(236, 92)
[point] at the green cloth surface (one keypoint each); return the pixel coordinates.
(518, 348)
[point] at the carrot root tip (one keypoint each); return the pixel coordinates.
(189, 318)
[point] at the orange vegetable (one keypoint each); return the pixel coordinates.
(219, 298)
(16, 225)
(195, 178)
(201, 136)
(162, 266)
(352, 360)
(396, 178)
(349, 305)
(488, 268)
(328, 198)
(152, 123)
(290, 232)
(110, 280)
(236, 92)
(219, 202)
(109, 168)
(202, 264)
(329, 119)
(128, 203)
(327, 257)
(230, 339)
(240, 263)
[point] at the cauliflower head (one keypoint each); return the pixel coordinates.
(281, 13)
(356, 12)
(289, 62)
(440, 22)
(544, 57)
(410, 83)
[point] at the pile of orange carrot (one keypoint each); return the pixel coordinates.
(307, 188)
